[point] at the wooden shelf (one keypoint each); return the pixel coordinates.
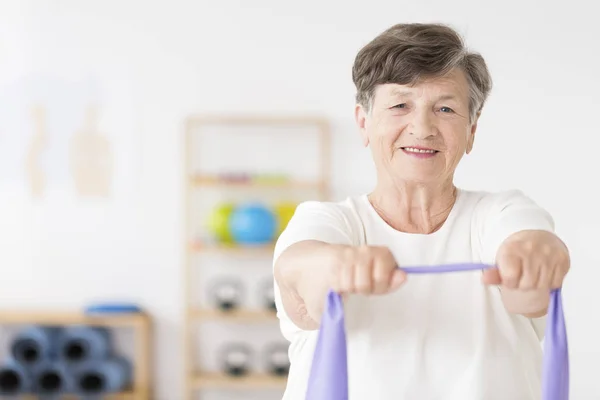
(41, 317)
(113, 396)
(208, 180)
(220, 380)
(233, 315)
(235, 119)
(234, 249)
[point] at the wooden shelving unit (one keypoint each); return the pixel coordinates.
(194, 181)
(139, 322)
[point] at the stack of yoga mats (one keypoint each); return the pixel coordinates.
(50, 361)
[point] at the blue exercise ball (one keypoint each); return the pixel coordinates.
(253, 224)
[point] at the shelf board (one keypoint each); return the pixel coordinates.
(251, 119)
(53, 317)
(221, 380)
(129, 395)
(233, 315)
(209, 180)
(235, 249)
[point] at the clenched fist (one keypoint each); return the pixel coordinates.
(530, 260)
(365, 270)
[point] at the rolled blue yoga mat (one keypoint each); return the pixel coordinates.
(329, 374)
(52, 378)
(112, 308)
(97, 377)
(78, 344)
(15, 379)
(34, 344)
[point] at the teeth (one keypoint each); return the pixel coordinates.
(413, 150)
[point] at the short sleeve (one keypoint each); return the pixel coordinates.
(323, 221)
(503, 214)
(313, 220)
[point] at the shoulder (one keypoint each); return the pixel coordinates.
(327, 221)
(489, 206)
(497, 215)
(489, 201)
(344, 211)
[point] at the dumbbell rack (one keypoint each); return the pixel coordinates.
(139, 322)
(194, 180)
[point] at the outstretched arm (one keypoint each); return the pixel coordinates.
(318, 251)
(304, 255)
(301, 274)
(530, 264)
(518, 237)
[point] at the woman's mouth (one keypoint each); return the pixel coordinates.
(419, 152)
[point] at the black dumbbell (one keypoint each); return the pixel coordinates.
(226, 293)
(235, 359)
(267, 295)
(276, 358)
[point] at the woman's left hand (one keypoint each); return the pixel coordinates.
(530, 260)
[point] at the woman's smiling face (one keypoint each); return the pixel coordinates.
(419, 133)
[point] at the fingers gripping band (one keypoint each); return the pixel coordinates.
(329, 374)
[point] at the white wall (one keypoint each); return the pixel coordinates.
(160, 60)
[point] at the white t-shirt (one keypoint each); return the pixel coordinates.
(440, 336)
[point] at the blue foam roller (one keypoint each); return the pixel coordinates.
(52, 378)
(80, 343)
(98, 377)
(15, 379)
(112, 308)
(34, 344)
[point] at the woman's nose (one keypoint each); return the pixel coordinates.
(423, 126)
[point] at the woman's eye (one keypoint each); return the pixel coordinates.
(446, 110)
(402, 105)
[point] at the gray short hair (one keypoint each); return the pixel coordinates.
(407, 53)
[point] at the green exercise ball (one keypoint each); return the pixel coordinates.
(218, 222)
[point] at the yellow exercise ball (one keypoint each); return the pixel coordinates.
(284, 212)
(218, 222)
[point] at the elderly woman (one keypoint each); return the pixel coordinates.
(458, 336)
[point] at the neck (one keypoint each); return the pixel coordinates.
(414, 207)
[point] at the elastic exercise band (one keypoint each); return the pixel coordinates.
(329, 374)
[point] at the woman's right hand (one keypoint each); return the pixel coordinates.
(307, 270)
(365, 270)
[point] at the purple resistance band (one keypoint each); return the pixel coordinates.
(329, 375)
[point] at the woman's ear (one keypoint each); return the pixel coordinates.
(471, 138)
(360, 116)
